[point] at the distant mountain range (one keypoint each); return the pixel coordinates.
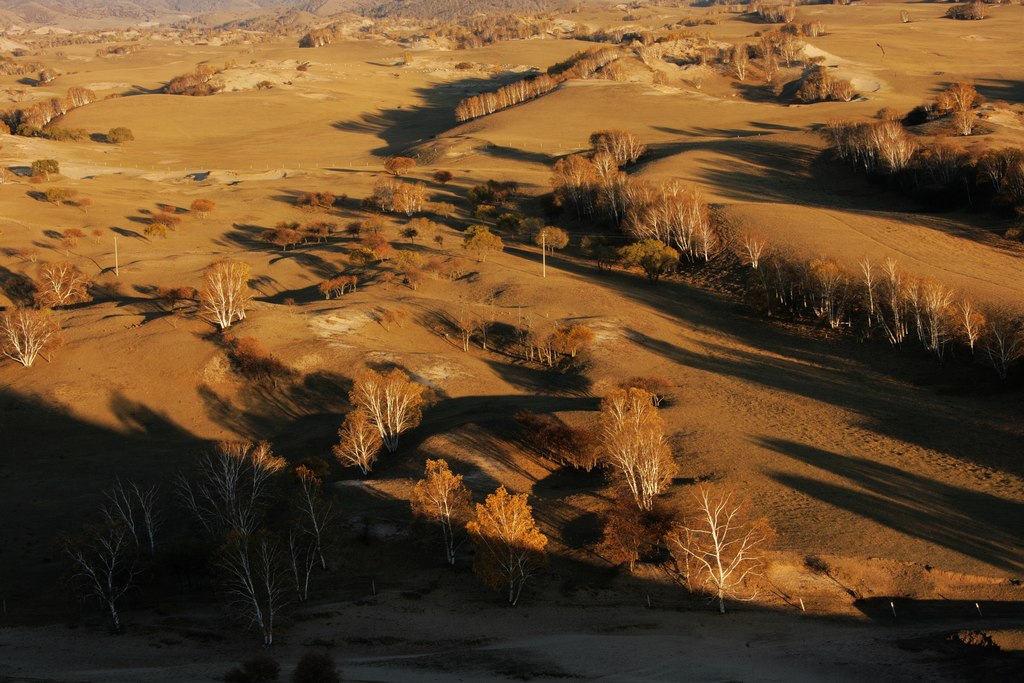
(120, 13)
(88, 12)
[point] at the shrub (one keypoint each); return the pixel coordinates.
(316, 667)
(252, 361)
(442, 177)
(116, 136)
(67, 134)
(44, 167)
(255, 670)
(578, 448)
(59, 195)
(315, 201)
(203, 207)
(968, 11)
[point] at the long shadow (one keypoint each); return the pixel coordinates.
(301, 413)
(1000, 89)
(402, 127)
(56, 466)
(969, 522)
(19, 288)
(837, 372)
(762, 169)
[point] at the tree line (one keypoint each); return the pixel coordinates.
(581, 65)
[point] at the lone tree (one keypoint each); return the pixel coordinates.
(442, 177)
(551, 238)
(44, 167)
(255, 575)
(315, 512)
(230, 488)
(203, 207)
(104, 560)
(634, 443)
(399, 166)
(120, 135)
(62, 284)
(25, 333)
(359, 441)
(442, 497)
(654, 257)
(509, 546)
(392, 401)
(719, 547)
(316, 667)
(225, 293)
(480, 240)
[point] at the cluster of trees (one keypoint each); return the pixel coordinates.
(384, 406)
(31, 329)
(486, 29)
(973, 10)
(260, 560)
(882, 298)
(510, 548)
(958, 101)
(318, 37)
(717, 547)
(939, 173)
(315, 201)
(197, 83)
(669, 220)
(289, 233)
(505, 96)
(581, 65)
(820, 86)
(775, 14)
(29, 121)
(392, 195)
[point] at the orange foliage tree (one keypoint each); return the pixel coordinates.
(442, 497)
(510, 547)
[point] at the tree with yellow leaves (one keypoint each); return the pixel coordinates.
(442, 497)
(509, 546)
(393, 402)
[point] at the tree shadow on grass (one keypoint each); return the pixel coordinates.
(976, 524)
(403, 127)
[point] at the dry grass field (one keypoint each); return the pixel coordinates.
(902, 474)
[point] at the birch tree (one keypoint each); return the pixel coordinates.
(509, 546)
(442, 497)
(635, 444)
(225, 293)
(720, 548)
(393, 402)
(359, 441)
(62, 284)
(254, 578)
(136, 508)
(105, 564)
(314, 512)
(26, 333)
(230, 487)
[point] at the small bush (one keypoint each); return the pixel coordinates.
(315, 201)
(252, 361)
(316, 667)
(255, 670)
(119, 135)
(42, 167)
(67, 134)
(916, 116)
(967, 11)
(59, 195)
